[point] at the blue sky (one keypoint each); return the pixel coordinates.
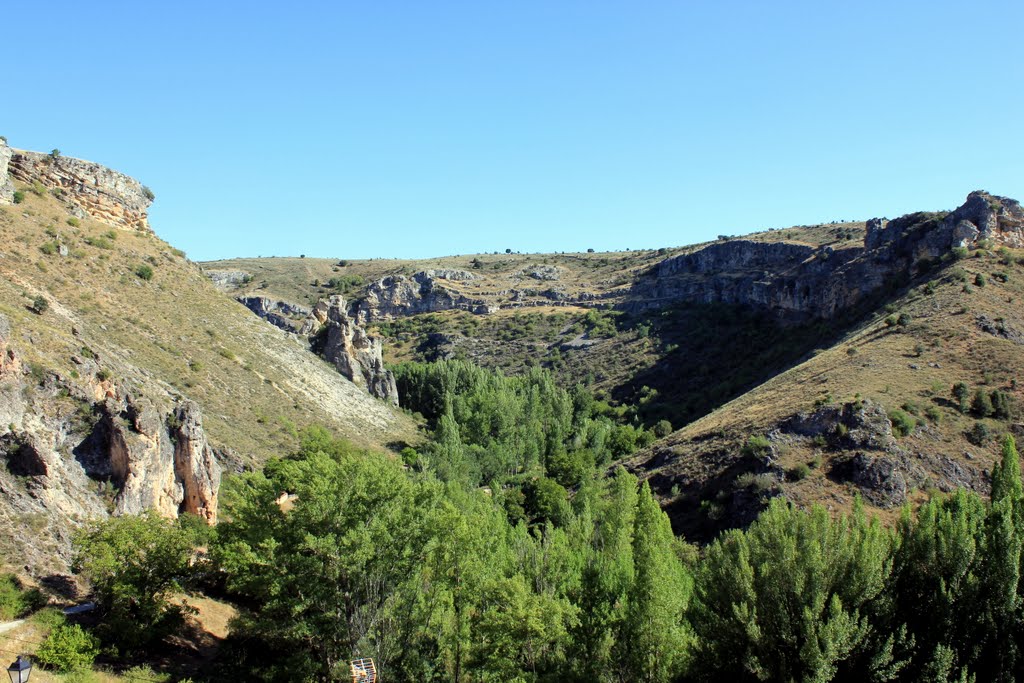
(416, 129)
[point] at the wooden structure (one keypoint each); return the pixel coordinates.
(363, 670)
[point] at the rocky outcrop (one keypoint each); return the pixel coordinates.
(160, 462)
(88, 188)
(226, 280)
(287, 316)
(347, 346)
(397, 296)
(6, 186)
(801, 281)
(68, 458)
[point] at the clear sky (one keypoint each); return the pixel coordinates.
(427, 127)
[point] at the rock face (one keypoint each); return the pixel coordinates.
(74, 450)
(88, 188)
(348, 347)
(398, 296)
(226, 280)
(800, 281)
(6, 186)
(161, 464)
(281, 314)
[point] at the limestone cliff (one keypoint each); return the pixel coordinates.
(69, 457)
(86, 187)
(6, 186)
(348, 347)
(797, 280)
(397, 296)
(160, 462)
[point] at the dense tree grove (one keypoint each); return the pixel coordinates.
(494, 429)
(437, 581)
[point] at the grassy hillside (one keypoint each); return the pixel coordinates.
(960, 323)
(148, 315)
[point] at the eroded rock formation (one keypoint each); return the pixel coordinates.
(397, 296)
(799, 280)
(88, 188)
(6, 186)
(348, 347)
(287, 316)
(161, 462)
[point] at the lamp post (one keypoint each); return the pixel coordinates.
(20, 669)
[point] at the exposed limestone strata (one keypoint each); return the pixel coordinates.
(348, 347)
(87, 187)
(797, 280)
(6, 186)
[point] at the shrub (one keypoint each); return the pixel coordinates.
(663, 428)
(148, 193)
(145, 272)
(959, 253)
(1000, 404)
(68, 648)
(903, 320)
(933, 414)
(758, 483)
(799, 472)
(961, 392)
(758, 446)
(891, 321)
(979, 434)
(54, 153)
(73, 222)
(40, 305)
(902, 423)
(980, 280)
(38, 188)
(49, 248)
(15, 601)
(104, 374)
(981, 404)
(19, 197)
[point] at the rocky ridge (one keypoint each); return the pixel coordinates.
(797, 280)
(348, 347)
(86, 187)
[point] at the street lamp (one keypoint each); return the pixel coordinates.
(20, 669)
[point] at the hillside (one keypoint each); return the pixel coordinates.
(117, 344)
(731, 340)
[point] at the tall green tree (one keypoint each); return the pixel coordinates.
(656, 639)
(786, 599)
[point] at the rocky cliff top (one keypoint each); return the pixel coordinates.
(87, 188)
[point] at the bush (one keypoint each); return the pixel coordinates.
(980, 280)
(145, 272)
(15, 600)
(73, 222)
(981, 404)
(40, 305)
(134, 564)
(663, 428)
(961, 392)
(902, 423)
(49, 248)
(933, 414)
(148, 193)
(68, 648)
(758, 446)
(979, 434)
(799, 472)
(19, 197)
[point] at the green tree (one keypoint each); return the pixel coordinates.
(788, 598)
(135, 564)
(68, 647)
(656, 639)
